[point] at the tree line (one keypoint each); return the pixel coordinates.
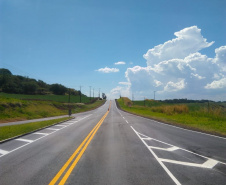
(17, 84)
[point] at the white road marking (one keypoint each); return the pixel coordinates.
(160, 162)
(40, 133)
(146, 138)
(60, 125)
(52, 129)
(179, 148)
(3, 152)
(208, 164)
(166, 149)
(122, 116)
(25, 140)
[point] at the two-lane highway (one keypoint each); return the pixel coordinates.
(109, 146)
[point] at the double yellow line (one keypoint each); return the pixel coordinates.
(76, 157)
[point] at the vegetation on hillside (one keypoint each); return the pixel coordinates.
(204, 116)
(17, 84)
(12, 109)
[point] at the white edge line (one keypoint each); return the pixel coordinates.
(149, 119)
(180, 148)
(8, 152)
(174, 126)
(160, 162)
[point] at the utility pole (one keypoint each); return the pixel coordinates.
(144, 101)
(99, 93)
(90, 93)
(80, 94)
(154, 95)
(69, 99)
(69, 95)
(93, 93)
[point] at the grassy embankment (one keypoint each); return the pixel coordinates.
(197, 116)
(20, 108)
(16, 130)
(14, 107)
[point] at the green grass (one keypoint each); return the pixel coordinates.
(87, 107)
(7, 132)
(57, 98)
(196, 116)
(12, 109)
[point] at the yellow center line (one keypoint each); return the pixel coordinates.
(89, 138)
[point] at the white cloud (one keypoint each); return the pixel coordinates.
(176, 69)
(220, 58)
(108, 70)
(217, 84)
(197, 76)
(174, 86)
(120, 63)
(158, 83)
(124, 83)
(187, 41)
(119, 91)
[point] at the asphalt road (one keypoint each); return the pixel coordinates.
(113, 147)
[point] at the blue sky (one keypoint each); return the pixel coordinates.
(67, 42)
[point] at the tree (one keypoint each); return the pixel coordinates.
(9, 87)
(29, 87)
(4, 71)
(104, 96)
(58, 89)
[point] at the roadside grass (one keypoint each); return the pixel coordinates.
(194, 116)
(12, 109)
(57, 98)
(7, 132)
(88, 107)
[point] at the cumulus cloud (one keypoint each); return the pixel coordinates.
(120, 91)
(217, 84)
(220, 58)
(108, 70)
(120, 63)
(171, 86)
(177, 69)
(187, 41)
